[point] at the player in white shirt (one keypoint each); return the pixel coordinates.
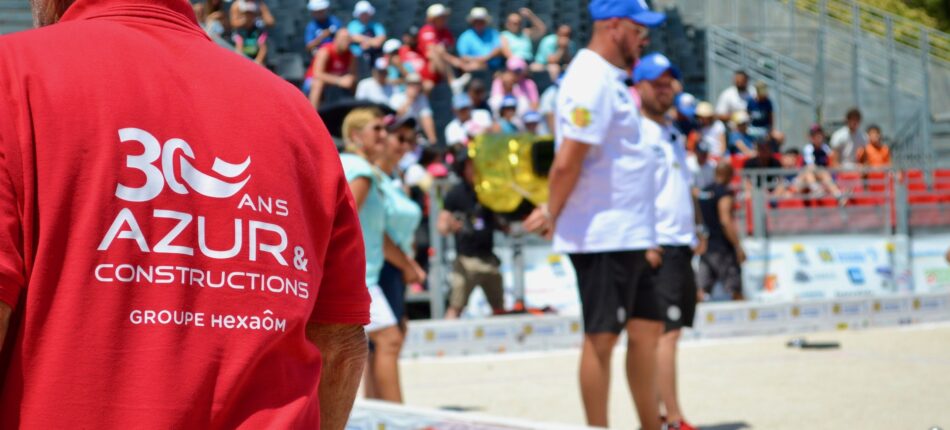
(676, 218)
(602, 209)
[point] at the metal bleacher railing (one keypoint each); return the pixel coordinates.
(895, 70)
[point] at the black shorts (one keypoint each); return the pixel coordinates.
(675, 285)
(615, 287)
(720, 266)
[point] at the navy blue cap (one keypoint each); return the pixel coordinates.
(636, 10)
(653, 66)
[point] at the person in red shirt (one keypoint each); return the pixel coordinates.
(171, 255)
(436, 44)
(333, 65)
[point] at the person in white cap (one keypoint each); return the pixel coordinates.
(602, 208)
(239, 18)
(376, 88)
(435, 44)
(413, 103)
(322, 26)
(480, 45)
(368, 35)
(250, 39)
(740, 140)
(711, 129)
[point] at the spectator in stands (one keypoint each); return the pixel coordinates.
(735, 98)
(741, 141)
(555, 51)
(533, 124)
(397, 69)
(250, 38)
(365, 136)
(368, 35)
(724, 253)
(239, 15)
(479, 47)
(409, 59)
(467, 119)
(760, 111)
(517, 40)
(514, 82)
(548, 105)
(711, 129)
(508, 115)
(376, 88)
(811, 180)
(875, 154)
(214, 18)
(474, 228)
(478, 92)
(436, 44)
(322, 26)
(703, 169)
(817, 152)
(849, 139)
(764, 159)
(333, 65)
(414, 103)
(685, 118)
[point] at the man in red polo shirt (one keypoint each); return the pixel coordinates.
(333, 65)
(174, 253)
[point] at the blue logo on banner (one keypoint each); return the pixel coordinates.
(856, 275)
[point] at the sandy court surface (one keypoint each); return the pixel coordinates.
(888, 378)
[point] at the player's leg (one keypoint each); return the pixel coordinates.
(644, 329)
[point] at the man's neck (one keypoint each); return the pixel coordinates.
(609, 53)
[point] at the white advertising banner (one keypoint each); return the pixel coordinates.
(928, 259)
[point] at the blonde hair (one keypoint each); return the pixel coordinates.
(356, 120)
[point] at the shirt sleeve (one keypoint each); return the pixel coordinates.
(12, 258)
(379, 30)
(310, 33)
(463, 47)
(343, 297)
(545, 49)
(424, 109)
(722, 105)
(584, 110)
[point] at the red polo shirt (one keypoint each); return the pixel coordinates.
(172, 216)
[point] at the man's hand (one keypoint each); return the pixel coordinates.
(539, 222)
(655, 257)
(415, 274)
(344, 350)
(347, 81)
(740, 255)
(701, 246)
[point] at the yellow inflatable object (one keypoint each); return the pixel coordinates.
(505, 174)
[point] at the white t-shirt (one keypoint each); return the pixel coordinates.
(702, 175)
(848, 144)
(675, 220)
(732, 101)
(714, 136)
(456, 132)
(612, 207)
(420, 107)
(370, 89)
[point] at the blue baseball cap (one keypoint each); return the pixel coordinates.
(636, 10)
(653, 66)
(686, 104)
(461, 101)
(509, 102)
(531, 117)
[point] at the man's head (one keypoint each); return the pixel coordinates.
(621, 27)
(741, 79)
(479, 19)
(790, 159)
(514, 22)
(380, 69)
(414, 82)
(654, 76)
(462, 105)
(853, 119)
(702, 152)
(724, 173)
(402, 137)
(251, 11)
(509, 106)
(705, 113)
(411, 38)
(342, 40)
(391, 47)
(476, 91)
(761, 91)
(564, 32)
(531, 121)
(816, 136)
(319, 9)
(874, 135)
(364, 11)
(437, 15)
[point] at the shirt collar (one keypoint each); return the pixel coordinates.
(178, 13)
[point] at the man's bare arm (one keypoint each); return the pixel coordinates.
(5, 312)
(344, 351)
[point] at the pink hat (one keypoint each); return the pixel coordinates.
(516, 63)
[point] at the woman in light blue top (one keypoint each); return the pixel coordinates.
(365, 136)
(517, 41)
